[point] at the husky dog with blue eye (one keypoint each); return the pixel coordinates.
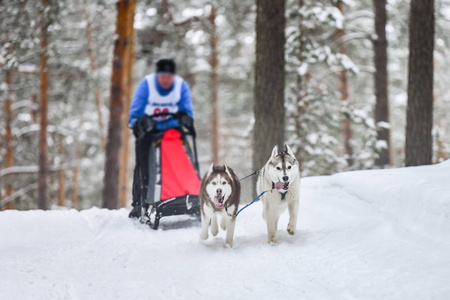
(220, 194)
(281, 174)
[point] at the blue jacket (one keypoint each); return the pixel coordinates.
(140, 98)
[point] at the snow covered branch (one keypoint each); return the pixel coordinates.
(352, 36)
(31, 169)
(51, 128)
(24, 103)
(18, 194)
(172, 19)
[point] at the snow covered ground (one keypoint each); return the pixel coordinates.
(361, 235)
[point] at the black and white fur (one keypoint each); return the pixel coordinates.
(281, 167)
(220, 194)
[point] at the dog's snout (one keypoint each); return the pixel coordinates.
(286, 178)
(219, 191)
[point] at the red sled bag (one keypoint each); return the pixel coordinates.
(178, 175)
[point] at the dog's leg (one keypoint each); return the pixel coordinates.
(230, 231)
(214, 226)
(205, 225)
(277, 218)
(264, 215)
(271, 227)
(223, 223)
(293, 211)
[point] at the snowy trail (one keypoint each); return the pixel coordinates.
(352, 242)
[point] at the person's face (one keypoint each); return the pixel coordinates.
(165, 80)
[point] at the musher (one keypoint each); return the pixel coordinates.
(159, 92)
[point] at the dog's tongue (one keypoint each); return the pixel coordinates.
(279, 185)
(217, 202)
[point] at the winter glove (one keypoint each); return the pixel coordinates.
(142, 126)
(184, 119)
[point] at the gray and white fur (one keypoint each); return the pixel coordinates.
(281, 167)
(220, 194)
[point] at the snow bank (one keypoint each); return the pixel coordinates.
(416, 196)
(360, 235)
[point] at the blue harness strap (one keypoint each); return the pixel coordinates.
(259, 196)
(254, 200)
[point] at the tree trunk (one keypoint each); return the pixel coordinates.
(381, 81)
(214, 80)
(93, 65)
(419, 116)
(61, 173)
(51, 190)
(114, 142)
(268, 107)
(9, 155)
(343, 89)
(125, 152)
(43, 150)
(440, 120)
(76, 171)
(299, 91)
(35, 109)
(441, 154)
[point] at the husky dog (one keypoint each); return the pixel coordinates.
(281, 174)
(220, 193)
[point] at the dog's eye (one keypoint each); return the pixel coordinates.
(278, 168)
(213, 183)
(224, 182)
(289, 167)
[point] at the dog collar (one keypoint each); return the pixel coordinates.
(226, 210)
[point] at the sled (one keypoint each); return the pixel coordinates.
(173, 183)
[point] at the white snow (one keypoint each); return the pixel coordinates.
(361, 235)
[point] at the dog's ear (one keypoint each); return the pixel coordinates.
(289, 151)
(228, 172)
(274, 151)
(211, 168)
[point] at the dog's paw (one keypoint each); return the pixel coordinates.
(291, 229)
(229, 244)
(204, 236)
(272, 240)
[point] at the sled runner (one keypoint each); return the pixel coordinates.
(171, 181)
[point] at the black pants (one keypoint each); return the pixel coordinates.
(136, 187)
(140, 175)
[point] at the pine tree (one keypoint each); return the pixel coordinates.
(125, 150)
(214, 77)
(269, 79)
(419, 116)
(43, 148)
(344, 91)
(381, 83)
(8, 137)
(114, 141)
